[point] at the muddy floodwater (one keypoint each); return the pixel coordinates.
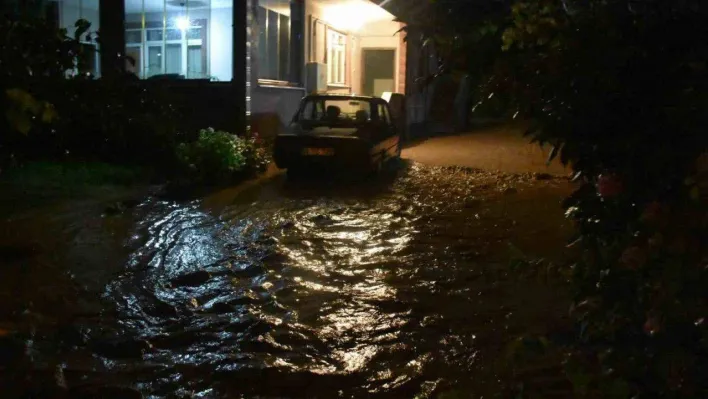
(399, 288)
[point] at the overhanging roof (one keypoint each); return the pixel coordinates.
(402, 9)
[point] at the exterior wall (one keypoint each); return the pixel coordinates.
(420, 63)
(112, 20)
(379, 34)
(272, 105)
(402, 61)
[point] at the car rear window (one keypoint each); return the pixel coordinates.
(336, 111)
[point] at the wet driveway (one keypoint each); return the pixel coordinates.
(396, 288)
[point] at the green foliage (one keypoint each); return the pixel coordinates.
(618, 88)
(464, 37)
(53, 176)
(23, 109)
(34, 53)
(53, 110)
(620, 93)
(117, 121)
(218, 156)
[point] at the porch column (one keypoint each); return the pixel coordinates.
(112, 37)
(297, 35)
(241, 80)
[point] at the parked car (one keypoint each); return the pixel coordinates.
(354, 133)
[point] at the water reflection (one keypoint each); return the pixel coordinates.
(391, 289)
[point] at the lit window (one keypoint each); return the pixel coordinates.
(66, 13)
(336, 57)
(191, 40)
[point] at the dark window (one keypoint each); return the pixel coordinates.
(154, 35)
(284, 48)
(384, 115)
(133, 36)
(272, 46)
(262, 42)
(276, 43)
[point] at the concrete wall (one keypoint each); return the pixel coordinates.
(272, 108)
(402, 62)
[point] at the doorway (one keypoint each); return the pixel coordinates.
(379, 71)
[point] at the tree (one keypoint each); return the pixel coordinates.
(618, 88)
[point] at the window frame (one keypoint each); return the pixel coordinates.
(343, 67)
(383, 114)
(144, 48)
(270, 81)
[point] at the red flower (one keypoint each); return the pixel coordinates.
(652, 325)
(609, 186)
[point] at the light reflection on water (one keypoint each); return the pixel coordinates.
(389, 289)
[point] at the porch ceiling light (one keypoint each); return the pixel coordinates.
(352, 15)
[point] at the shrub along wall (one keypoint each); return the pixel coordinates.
(55, 113)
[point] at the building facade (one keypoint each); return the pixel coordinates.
(259, 57)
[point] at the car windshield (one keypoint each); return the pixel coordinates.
(322, 111)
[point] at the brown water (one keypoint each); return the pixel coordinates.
(393, 288)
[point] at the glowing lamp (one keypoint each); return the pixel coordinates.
(182, 23)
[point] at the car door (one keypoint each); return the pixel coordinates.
(390, 140)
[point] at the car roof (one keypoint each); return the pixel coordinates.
(344, 97)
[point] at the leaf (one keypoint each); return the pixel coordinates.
(49, 113)
(616, 389)
(576, 176)
(553, 154)
(695, 194)
(19, 120)
(22, 100)
(580, 382)
(82, 26)
(130, 59)
(402, 30)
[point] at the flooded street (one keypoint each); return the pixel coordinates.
(397, 288)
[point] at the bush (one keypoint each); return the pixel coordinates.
(50, 177)
(618, 88)
(54, 112)
(118, 121)
(221, 156)
(35, 57)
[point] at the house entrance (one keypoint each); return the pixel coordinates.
(379, 71)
